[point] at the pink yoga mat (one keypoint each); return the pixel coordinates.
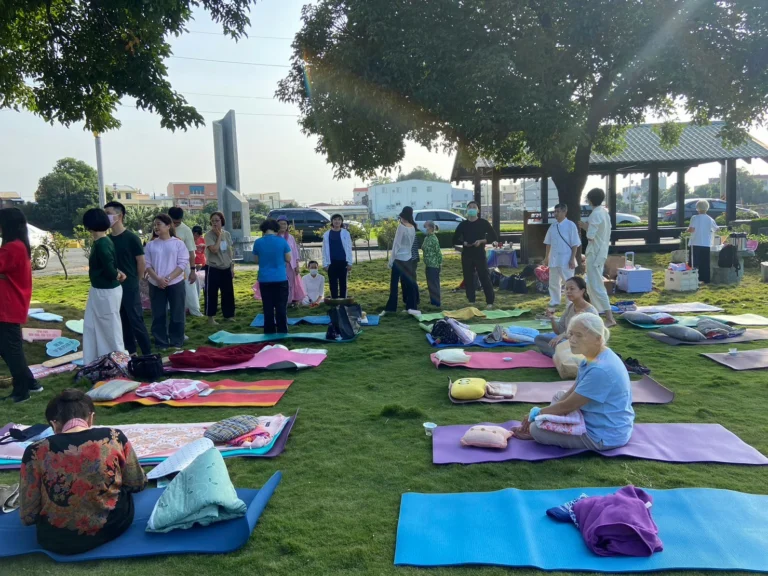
(495, 361)
(272, 359)
(743, 360)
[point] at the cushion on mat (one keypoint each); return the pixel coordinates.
(486, 437)
(112, 389)
(452, 356)
(663, 318)
(468, 389)
(708, 325)
(231, 428)
(638, 317)
(202, 494)
(683, 333)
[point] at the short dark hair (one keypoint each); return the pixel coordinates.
(220, 215)
(313, 262)
(269, 224)
(561, 206)
(165, 219)
(596, 196)
(176, 213)
(116, 206)
(13, 223)
(96, 220)
(337, 216)
(473, 202)
(197, 230)
(68, 404)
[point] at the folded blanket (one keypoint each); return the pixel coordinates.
(210, 357)
(500, 390)
(172, 389)
(268, 428)
(571, 424)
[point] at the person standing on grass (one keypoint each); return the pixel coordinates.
(473, 234)
(314, 286)
(166, 258)
(433, 261)
(220, 273)
(197, 232)
(271, 254)
(400, 263)
(184, 233)
(15, 295)
(413, 265)
(702, 229)
(130, 260)
(337, 256)
(102, 328)
(292, 268)
(598, 229)
(562, 241)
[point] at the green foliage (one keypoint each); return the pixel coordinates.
(84, 237)
(75, 61)
(259, 208)
(210, 208)
(757, 224)
(385, 234)
(542, 83)
(400, 412)
(139, 218)
(444, 237)
(421, 173)
(63, 195)
(57, 243)
(761, 253)
(290, 205)
(256, 219)
(740, 215)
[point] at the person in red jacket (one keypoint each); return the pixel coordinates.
(15, 294)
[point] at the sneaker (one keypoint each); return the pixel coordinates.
(490, 307)
(36, 387)
(382, 313)
(19, 399)
(186, 337)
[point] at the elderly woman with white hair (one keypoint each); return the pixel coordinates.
(602, 393)
(702, 229)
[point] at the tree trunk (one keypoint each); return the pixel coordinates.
(570, 186)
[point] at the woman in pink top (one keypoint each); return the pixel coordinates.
(166, 258)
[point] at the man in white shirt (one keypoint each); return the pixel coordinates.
(314, 285)
(702, 229)
(598, 228)
(184, 233)
(562, 241)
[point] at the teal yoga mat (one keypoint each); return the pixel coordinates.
(224, 337)
(702, 529)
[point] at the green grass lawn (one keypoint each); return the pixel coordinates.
(358, 443)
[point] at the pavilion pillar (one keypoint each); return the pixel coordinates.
(478, 194)
(496, 202)
(680, 198)
(653, 208)
(730, 191)
(612, 198)
(544, 199)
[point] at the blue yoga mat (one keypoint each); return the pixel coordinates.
(479, 341)
(219, 538)
(258, 322)
(702, 529)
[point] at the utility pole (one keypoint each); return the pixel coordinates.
(100, 169)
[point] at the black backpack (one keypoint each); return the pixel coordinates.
(345, 322)
(443, 333)
(727, 258)
(146, 368)
(496, 277)
(514, 284)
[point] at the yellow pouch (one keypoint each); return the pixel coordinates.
(468, 389)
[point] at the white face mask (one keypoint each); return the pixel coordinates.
(112, 219)
(313, 272)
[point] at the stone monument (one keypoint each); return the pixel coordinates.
(231, 201)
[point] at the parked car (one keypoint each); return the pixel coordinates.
(586, 209)
(40, 252)
(309, 220)
(716, 208)
(445, 219)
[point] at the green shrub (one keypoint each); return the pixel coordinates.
(740, 215)
(385, 233)
(444, 237)
(757, 224)
(761, 253)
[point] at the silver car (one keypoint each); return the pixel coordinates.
(445, 219)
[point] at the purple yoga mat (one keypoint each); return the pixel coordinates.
(748, 336)
(743, 360)
(644, 391)
(683, 443)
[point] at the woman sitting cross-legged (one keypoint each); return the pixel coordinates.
(76, 485)
(578, 302)
(602, 394)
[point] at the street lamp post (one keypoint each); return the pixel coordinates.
(100, 169)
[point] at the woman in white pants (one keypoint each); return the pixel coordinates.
(598, 229)
(562, 241)
(102, 328)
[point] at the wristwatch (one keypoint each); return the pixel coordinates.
(167, 278)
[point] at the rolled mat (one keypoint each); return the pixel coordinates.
(510, 528)
(225, 393)
(680, 308)
(272, 359)
(746, 360)
(662, 442)
(644, 391)
(748, 336)
(218, 538)
(224, 337)
(480, 342)
(495, 361)
(258, 322)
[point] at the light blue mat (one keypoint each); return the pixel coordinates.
(46, 317)
(224, 337)
(258, 322)
(702, 529)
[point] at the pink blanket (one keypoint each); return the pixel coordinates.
(274, 358)
(495, 360)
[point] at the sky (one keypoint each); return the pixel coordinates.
(274, 155)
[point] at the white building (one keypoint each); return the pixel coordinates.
(387, 200)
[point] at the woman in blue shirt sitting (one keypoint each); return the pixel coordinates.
(602, 392)
(271, 254)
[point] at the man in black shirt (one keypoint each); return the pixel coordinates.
(473, 234)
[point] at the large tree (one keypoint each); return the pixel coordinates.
(420, 173)
(70, 61)
(541, 82)
(71, 186)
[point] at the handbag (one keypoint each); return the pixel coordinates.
(18, 435)
(514, 284)
(344, 322)
(146, 368)
(107, 367)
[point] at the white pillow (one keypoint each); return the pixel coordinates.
(112, 390)
(452, 356)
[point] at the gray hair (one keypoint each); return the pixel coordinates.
(702, 205)
(591, 323)
(432, 225)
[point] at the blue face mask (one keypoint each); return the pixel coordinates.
(472, 212)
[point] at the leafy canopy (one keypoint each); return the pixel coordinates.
(540, 82)
(70, 61)
(62, 195)
(420, 173)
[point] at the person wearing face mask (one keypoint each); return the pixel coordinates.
(314, 286)
(473, 234)
(102, 328)
(129, 254)
(221, 270)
